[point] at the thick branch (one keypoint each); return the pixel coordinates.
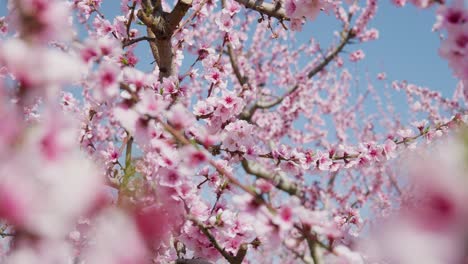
(147, 4)
(166, 56)
(177, 14)
(157, 5)
(151, 26)
(269, 9)
(279, 181)
(160, 27)
(241, 253)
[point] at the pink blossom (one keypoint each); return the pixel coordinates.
(366, 15)
(291, 7)
(264, 185)
(108, 248)
(454, 47)
(180, 117)
(302, 8)
(420, 125)
(239, 134)
(154, 224)
(348, 256)
(357, 55)
(285, 218)
(369, 35)
(60, 188)
(323, 162)
(381, 76)
(13, 206)
(38, 67)
(405, 133)
(389, 149)
(107, 79)
(422, 3)
(103, 26)
(169, 85)
(151, 103)
(51, 17)
(399, 3)
(138, 78)
(3, 25)
(232, 7)
(224, 22)
(195, 157)
(247, 204)
(111, 154)
(169, 177)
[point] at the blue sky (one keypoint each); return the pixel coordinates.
(406, 50)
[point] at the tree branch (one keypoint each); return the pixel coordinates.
(269, 9)
(232, 58)
(160, 27)
(130, 18)
(349, 35)
(129, 42)
(237, 259)
(298, 255)
(235, 67)
(7, 234)
(177, 14)
(279, 181)
(180, 137)
(192, 261)
(314, 250)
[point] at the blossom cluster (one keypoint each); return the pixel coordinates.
(454, 48)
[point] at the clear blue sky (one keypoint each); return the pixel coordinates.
(406, 50)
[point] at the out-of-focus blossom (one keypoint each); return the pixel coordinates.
(37, 68)
(357, 55)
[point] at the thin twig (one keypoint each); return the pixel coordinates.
(129, 42)
(3, 235)
(130, 18)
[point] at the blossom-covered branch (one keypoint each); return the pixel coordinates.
(347, 36)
